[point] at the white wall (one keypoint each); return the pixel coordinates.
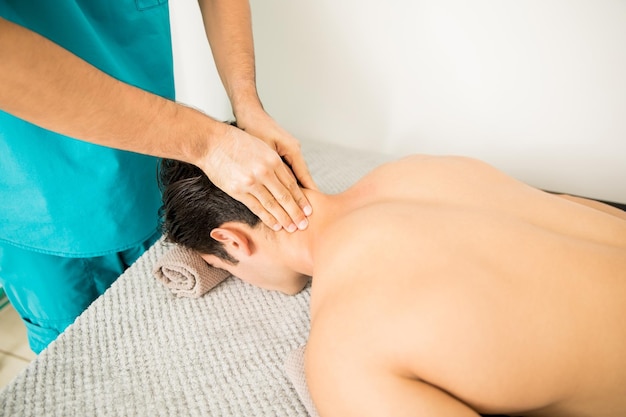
(534, 87)
(197, 81)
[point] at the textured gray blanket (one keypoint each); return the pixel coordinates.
(140, 351)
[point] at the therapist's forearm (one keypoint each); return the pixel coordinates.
(48, 86)
(229, 30)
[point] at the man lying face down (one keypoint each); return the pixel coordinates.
(441, 287)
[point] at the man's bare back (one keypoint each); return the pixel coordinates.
(463, 291)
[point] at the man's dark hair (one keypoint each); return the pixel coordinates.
(193, 206)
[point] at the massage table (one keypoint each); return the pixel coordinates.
(138, 350)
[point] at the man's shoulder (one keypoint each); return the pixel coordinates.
(360, 226)
(365, 242)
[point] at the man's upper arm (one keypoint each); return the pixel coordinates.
(344, 384)
(354, 369)
(353, 365)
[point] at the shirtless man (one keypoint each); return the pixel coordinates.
(441, 287)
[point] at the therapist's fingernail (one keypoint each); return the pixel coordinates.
(277, 227)
(291, 228)
(303, 224)
(307, 210)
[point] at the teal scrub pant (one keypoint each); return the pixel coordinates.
(49, 292)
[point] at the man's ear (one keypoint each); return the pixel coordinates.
(235, 240)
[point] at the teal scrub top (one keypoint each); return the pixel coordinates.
(66, 197)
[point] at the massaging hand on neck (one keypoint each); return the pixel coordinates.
(246, 163)
(242, 166)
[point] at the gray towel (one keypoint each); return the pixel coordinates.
(186, 274)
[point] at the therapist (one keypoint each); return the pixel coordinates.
(75, 213)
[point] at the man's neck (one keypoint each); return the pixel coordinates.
(296, 249)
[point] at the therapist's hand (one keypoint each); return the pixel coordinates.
(250, 169)
(259, 124)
